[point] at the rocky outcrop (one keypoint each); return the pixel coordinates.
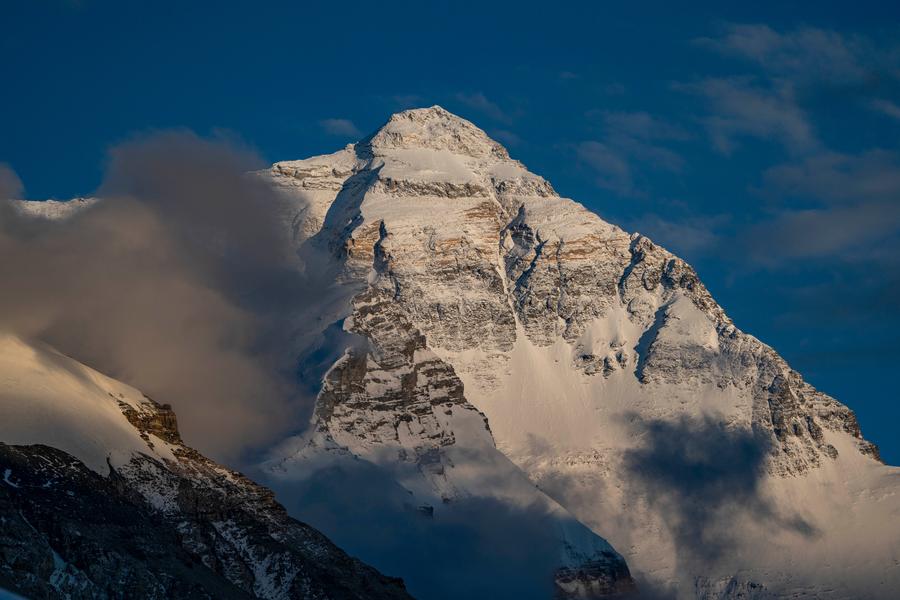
(398, 393)
(68, 532)
(179, 528)
(603, 577)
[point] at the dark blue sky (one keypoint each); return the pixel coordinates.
(759, 143)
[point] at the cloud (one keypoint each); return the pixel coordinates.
(828, 205)
(478, 101)
(791, 64)
(689, 236)
(741, 107)
(470, 547)
(818, 233)
(629, 139)
(886, 107)
(805, 54)
(833, 228)
(835, 178)
(612, 170)
(506, 137)
(846, 298)
(10, 184)
(702, 475)
(178, 282)
(340, 127)
(640, 125)
(853, 209)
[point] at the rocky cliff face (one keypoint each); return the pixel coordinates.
(165, 522)
(479, 291)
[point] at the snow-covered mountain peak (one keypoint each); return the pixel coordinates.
(434, 128)
(480, 291)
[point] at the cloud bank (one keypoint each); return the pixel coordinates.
(176, 283)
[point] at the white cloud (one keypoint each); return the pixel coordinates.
(340, 127)
(478, 101)
(741, 107)
(806, 53)
(613, 171)
(630, 138)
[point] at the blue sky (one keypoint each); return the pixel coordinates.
(758, 142)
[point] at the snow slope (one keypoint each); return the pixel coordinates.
(48, 398)
(53, 209)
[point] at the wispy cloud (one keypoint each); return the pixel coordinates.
(852, 208)
(479, 102)
(835, 178)
(886, 107)
(688, 236)
(640, 125)
(10, 184)
(806, 53)
(505, 136)
(790, 64)
(629, 138)
(340, 127)
(829, 205)
(743, 107)
(176, 282)
(612, 170)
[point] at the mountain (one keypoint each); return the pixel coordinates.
(53, 209)
(488, 323)
(100, 498)
(517, 399)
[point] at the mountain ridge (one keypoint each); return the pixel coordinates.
(100, 498)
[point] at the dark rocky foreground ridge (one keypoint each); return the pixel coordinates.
(187, 528)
